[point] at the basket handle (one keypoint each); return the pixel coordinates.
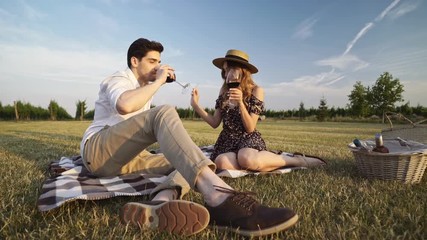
(400, 116)
(420, 121)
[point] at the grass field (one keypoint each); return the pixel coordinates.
(333, 202)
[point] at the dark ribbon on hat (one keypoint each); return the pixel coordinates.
(236, 57)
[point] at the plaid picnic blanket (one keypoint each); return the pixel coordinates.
(70, 181)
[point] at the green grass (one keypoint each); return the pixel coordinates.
(333, 202)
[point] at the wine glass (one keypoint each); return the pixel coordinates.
(185, 87)
(232, 81)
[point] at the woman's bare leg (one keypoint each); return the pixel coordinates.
(264, 161)
(227, 161)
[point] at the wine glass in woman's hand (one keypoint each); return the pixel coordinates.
(232, 81)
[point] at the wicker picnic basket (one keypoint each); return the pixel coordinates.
(404, 163)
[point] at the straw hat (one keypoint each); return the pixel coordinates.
(235, 56)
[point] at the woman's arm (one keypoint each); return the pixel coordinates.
(214, 120)
(250, 120)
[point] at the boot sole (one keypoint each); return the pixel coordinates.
(261, 232)
(177, 216)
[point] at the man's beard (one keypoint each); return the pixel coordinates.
(151, 78)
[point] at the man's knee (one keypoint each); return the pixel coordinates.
(166, 108)
(165, 111)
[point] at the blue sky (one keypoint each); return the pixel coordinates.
(305, 50)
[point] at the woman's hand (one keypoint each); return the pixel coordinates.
(235, 95)
(194, 98)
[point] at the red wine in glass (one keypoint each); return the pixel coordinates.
(169, 79)
(233, 84)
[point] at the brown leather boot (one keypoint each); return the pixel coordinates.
(176, 216)
(244, 215)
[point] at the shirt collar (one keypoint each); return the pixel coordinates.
(131, 76)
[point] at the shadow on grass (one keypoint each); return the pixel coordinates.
(36, 146)
(339, 168)
(108, 205)
(50, 136)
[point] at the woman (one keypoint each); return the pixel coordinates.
(239, 145)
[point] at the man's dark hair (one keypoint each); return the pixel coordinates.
(140, 47)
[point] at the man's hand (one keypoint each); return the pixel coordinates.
(163, 71)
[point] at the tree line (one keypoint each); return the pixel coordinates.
(365, 102)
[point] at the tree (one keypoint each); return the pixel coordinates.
(90, 115)
(385, 93)
(420, 110)
(53, 110)
(15, 104)
(22, 110)
(358, 106)
(322, 112)
(81, 109)
(332, 112)
(405, 109)
(63, 114)
(301, 111)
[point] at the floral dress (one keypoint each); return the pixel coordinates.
(233, 136)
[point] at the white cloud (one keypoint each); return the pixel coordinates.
(334, 80)
(173, 52)
(42, 60)
(102, 21)
(362, 32)
(31, 13)
(402, 62)
(310, 88)
(17, 33)
(110, 3)
(5, 14)
(314, 81)
(306, 89)
(305, 29)
(386, 10)
(415, 92)
(403, 9)
(344, 62)
(45, 74)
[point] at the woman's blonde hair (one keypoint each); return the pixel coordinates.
(247, 84)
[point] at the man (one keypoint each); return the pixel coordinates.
(124, 126)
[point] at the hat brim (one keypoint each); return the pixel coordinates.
(219, 62)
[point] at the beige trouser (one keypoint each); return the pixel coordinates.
(120, 149)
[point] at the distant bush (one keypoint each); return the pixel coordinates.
(26, 111)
